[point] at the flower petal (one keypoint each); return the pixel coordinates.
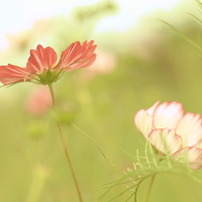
(152, 109)
(190, 129)
(167, 115)
(39, 101)
(165, 140)
(41, 59)
(143, 120)
(190, 155)
(11, 74)
(77, 56)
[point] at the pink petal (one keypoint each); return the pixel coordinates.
(190, 129)
(167, 115)
(143, 120)
(165, 140)
(11, 74)
(41, 59)
(77, 56)
(39, 101)
(190, 155)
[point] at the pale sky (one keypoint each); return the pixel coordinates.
(19, 15)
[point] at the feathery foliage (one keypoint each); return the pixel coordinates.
(147, 166)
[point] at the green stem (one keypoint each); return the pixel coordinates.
(38, 181)
(150, 187)
(65, 148)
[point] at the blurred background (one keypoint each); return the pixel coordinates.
(139, 60)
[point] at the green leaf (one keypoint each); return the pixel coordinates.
(195, 18)
(188, 40)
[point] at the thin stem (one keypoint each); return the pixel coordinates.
(65, 148)
(39, 177)
(150, 187)
(52, 94)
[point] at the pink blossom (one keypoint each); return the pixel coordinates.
(42, 67)
(105, 63)
(39, 101)
(172, 131)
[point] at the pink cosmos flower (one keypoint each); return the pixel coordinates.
(173, 132)
(104, 63)
(42, 67)
(39, 101)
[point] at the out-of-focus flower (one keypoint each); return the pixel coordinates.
(21, 41)
(39, 102)
(173, 132)
(104, 64)
(42, 67)
(146, 46)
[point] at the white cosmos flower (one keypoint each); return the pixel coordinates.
(172, 132)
